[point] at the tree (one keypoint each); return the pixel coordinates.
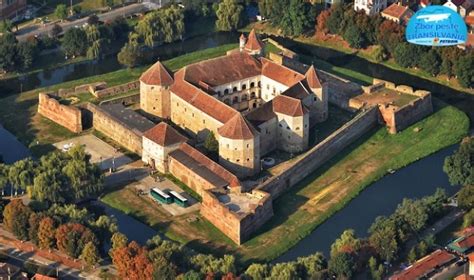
(72, 238)
(459, 166)
(61, 12)
(6, 26)
(464, 69)
(376, 272)
(379, 53)
(353, 36)
(257, 271)
(34, 223)
(163, 269)
(3, 178)
(192, 275)
(229, 15)
(287, 271)
(383, 238)
(335, 18)
(90, 254)
(56, 31)
(119, 240)
(468, 219)
(46, 233)
(404, 55)
(430, 62)
(466, 197)
(95, 51)
(312, 265)
(413, 213)
(211, 143)
(412, 255)
(347, 243)
(8, 51)
(390, 35)
(321, 21)
(342, 265)
(129, 55)
(26, 52)
(75, 42)
(16, 218)
(297, 17)
(132, 262)
(93, 20)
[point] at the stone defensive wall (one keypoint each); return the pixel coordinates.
(69, 117)
(322, 152)
(398, 118)
(115, 90)
(124, 100)
(112, 127)
(67, 92)
(238, 224)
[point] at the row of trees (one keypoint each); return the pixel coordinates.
(292, 17)
(160, 26)
(360, 31)
(71, 230)
(56, 178)
(15, 56)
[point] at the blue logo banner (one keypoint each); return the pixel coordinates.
(436, 26)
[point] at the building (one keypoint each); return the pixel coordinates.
(397, 13)
(462, 7)
(464, 244)
(370, 7)
(9, 271)
(426, 267)
(469, 273)
(9, 9)
(252, 104)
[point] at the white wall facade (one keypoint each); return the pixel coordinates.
(271, 88)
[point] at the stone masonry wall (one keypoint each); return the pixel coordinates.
(237, 227)
(322, 152)
(115, 90)
(126, 136)
(69, 117)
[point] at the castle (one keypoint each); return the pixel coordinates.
(251, 104)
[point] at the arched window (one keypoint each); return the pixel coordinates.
(259, 84)
(234, 89)
(244, 97)
(236, 99)
(226, 91)
(254, 105)
(252, 95)
(227, 101)
(244, 86)
(252, 84)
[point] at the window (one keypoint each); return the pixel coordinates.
(287, 127)
(203, 121)
(305, 126)
(297, 128)
(227, 145)
(236, 99)
(248, 159)
(244, 86)
(280, 125)
(152, 88)
(238, 160)
(154, 108)
(219, 92)
(234, 89)
(185, 109)
(252, 84)
(252, 95)
(193, 115)
(177, 104)
(314, 98)
(247, 145)
(226, 91)
(268, 86)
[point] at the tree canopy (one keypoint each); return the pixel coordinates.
(229, 15)
(459, 166)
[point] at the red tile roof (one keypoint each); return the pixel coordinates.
(225, 69)
(467, 242)
(299, 91)
(312, 78)
(470, 41)
(200, 99)
(164, 135)
(289, 106)
(395, 10)
(280, 73)
(157, 75)
(469, 20)
(42, 277)
(237, 128)
(253, 42)
(425, 265)
(215, 168)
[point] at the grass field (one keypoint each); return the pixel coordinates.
(18, 112)
(299, 211)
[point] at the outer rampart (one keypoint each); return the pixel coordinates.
(120, 132)
(238, 227)
(115, 90)
(322, 152)
(69, 117)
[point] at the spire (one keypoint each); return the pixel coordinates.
(312, 78)
(253, 43)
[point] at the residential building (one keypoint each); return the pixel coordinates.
(397, 13)
(11, 8)
(426, 267)
(462, 7)
(370, 7)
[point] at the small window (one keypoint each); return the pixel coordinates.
(152, 88)
(244, 86)
(235, 149)
(238, 160)
(185, 109)
(203, 121)
(252, 84)
(247, 145)
(193, 114)
(154, 108)
(234, 89)
(297, 128)
(177, 104)
(226, 91)
(227, 145)
(314, 98)
(288, 127)
(268, 86)
(228, 158)
(248, 159)
(305, 126)
(280, 125)
(259, 84)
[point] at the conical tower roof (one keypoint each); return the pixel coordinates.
(312, 78)
(237, 128)
(164, 135)
(253, 43)
(157, 75)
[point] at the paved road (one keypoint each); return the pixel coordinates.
(24, 33)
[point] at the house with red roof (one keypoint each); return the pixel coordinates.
(397, 13)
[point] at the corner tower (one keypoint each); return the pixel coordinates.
(254, 46)
(319, 109)
(239, 147)
(154, 91)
